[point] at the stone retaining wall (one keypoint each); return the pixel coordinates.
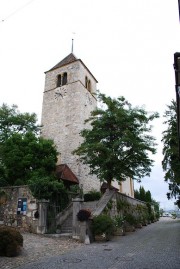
(18, 207)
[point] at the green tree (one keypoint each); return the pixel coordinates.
(136, 194)
(148, 197)
(22, 150)
(118, 143)
(171, 162)
(143, 195)
(151, 204)
(156, 206)
(24, 154)
(47, 187)
(12, 121)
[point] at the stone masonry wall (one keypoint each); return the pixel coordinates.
(17, 214)
(63, 117)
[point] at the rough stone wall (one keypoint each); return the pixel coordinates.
(9, 209)
(63, 117)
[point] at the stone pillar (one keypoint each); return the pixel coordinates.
(76, 227)
(85, 232)
(42, 221)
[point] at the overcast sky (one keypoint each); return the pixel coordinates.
(128, 45)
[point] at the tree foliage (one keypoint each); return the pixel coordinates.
(118, 143)
(156, 206)
(22, 150)
(143, 195)
(23, 154)
(146, 197)
(46, 187)
(171, 162)
(12, 121)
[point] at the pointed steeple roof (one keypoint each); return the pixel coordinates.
(67, 60)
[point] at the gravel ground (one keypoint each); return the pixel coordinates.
(37, 247)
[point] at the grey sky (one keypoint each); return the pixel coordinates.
(127, 45)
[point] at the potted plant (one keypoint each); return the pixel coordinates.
(130, 222)
(102, 227)
(139, 221)
(83, 214)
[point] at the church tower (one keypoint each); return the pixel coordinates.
(68, 99)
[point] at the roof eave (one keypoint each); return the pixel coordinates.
(56, 67)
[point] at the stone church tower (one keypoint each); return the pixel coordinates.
(68, 99)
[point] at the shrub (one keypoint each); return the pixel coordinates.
(118, 221)
(93, 195)
(152, 217)
(10, 241)
(83, 214)
(130, 219)
(102, 224)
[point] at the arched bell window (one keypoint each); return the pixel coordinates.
(59, 81)
(64, 79)
(86, 82)
(89, 85)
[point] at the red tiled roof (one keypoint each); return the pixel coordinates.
(64, 172)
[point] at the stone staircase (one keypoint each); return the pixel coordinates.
(66, 227)
(95, 207)
(90, 205)
(103, 202)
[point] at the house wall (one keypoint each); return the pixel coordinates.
(127, 187)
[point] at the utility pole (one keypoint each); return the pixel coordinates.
(177, 89)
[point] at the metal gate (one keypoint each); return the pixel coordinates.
(52, 212)
(59, 203)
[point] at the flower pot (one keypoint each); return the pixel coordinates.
(138, 225)
(129, 228)
(119, 231)
(100, 238)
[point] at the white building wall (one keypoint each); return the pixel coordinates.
(127, 187)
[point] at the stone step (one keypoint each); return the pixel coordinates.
(61, 235)
(67, 225)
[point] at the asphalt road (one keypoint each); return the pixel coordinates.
(156, 246)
